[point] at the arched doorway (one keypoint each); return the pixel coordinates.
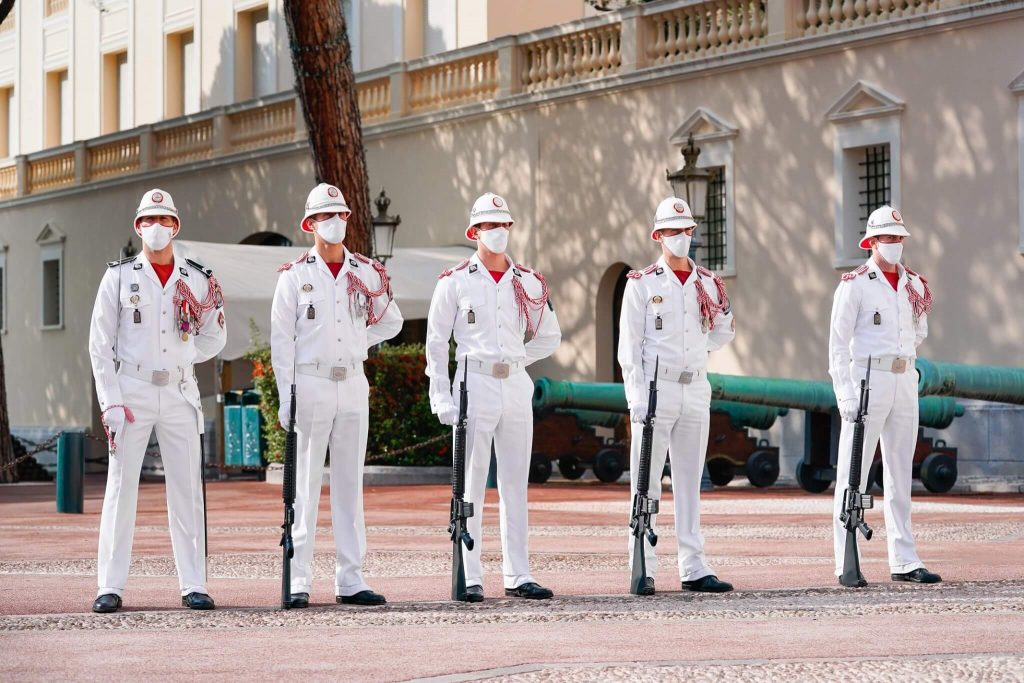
(609, 307)
(267, 239)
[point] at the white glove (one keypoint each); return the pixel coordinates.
(448, 414)
(848, 409)
(115, 420)
(638, 413)
(283, 415)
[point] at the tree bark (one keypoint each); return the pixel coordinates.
(6, 447)
(326, 85)
(5, 8)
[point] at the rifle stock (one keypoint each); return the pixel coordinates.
(855, 502)
(288, 495)
(644, 507)
(460, 510)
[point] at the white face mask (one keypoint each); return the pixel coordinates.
(331, 230)
(679, 244)
(156, 236)
(495, 239)
(891, 252)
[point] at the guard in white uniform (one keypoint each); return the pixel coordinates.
(881, 311)
(330, 306)
(674, 312)
(156, 315)
(502, 321)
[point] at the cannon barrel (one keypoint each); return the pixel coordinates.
(594, 418)
(592, 401)
(937, 412)
(982, 382)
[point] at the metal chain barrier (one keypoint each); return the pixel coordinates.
(48, 444)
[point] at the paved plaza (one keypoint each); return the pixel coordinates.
(787, 619)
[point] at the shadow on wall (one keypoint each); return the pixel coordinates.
(583, 178)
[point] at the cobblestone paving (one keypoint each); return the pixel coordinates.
(378, 564)
(956, 533)
(967, 598)
(881, 670)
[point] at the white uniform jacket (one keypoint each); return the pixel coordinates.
(870, 318)
(136, 322)
(488, 321)
(319, 319)
(677, 324)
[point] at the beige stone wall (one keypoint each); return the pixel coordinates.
(583, 175)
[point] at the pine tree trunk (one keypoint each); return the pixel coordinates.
(326, 85)
(6, 447)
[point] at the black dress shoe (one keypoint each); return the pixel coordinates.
(197, 601)
(108, 602)
(648, 587)
(474, 594)
(707, 584)
(298, 600)
(530, 591)
(367, 597)
(920, 575)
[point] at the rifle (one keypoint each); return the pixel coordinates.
(461, 510)
(644, 506)
(288, 494)
(855, 502)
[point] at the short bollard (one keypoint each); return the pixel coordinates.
(71, 472)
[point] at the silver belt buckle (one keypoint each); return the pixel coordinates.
(899, 365)
(686, 376)
(161, 378)
(339, 373)
(500, 370)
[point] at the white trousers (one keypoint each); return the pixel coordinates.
(173, 411)
(893, 417)
(500, 411)
(680, 430)
(335, 415)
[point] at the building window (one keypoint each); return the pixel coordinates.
(53, 286)
(439, 26)
(352, 21)
(713, 252)
(8, 145)
(1017, 88)
(57, 116)
(875, 179)
(51, 253)
(116, 113)
(866, 157)
(182, 83)
(255, 57)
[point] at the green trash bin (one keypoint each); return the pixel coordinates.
(71, 473)
(233, 429)
(250, 429)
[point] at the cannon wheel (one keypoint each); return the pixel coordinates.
(875, 476)
(805, 477)
(571, 466)
(762, 468)
(608, 465)
(720, 470)
(938, 472)
(540, 468)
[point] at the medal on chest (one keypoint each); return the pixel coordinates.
(186, 320)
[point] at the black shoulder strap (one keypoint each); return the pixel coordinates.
(113, 264)
(200, 267)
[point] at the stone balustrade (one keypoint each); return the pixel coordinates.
(646, 37)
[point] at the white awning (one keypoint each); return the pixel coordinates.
(248, 275)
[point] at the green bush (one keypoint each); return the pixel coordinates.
(399, 406)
